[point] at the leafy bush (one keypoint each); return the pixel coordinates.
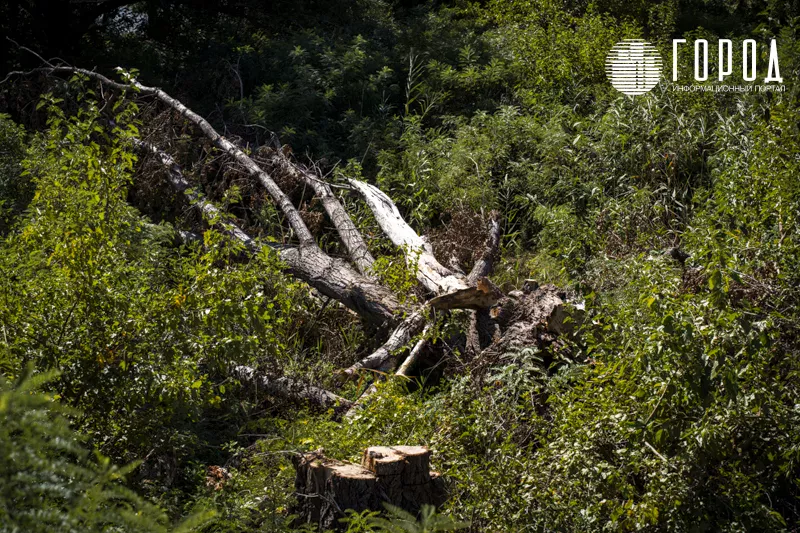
(92, 289)
(48, 482)
(15, 190)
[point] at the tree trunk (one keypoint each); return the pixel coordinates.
(399, 475)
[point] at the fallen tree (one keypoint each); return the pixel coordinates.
(398, 327)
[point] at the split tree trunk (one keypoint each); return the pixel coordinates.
(481, 332)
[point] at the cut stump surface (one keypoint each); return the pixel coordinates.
(399, 475)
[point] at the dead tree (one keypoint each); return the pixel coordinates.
(347, 281)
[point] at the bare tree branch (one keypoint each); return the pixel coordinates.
(413, 356)
(332, 277)
(384, 359)
(180, 184)
(432, 274)
(290, 389)
(348, 233)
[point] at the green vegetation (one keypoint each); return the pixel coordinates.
(49, 482)
(676, 406)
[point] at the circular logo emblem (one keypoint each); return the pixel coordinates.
(633, 66)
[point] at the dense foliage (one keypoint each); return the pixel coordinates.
(677, 405)
(49, 483)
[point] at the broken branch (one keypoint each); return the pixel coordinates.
(432, 274)
(384, 358)
(290, 389)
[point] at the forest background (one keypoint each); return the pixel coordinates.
(672, 215)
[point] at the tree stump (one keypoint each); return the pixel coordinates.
(399, 475)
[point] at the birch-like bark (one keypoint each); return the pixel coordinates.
(334, 278)
(430, 273)
(348, 233)
(290, 212)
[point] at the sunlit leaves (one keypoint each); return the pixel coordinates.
(142, 331)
